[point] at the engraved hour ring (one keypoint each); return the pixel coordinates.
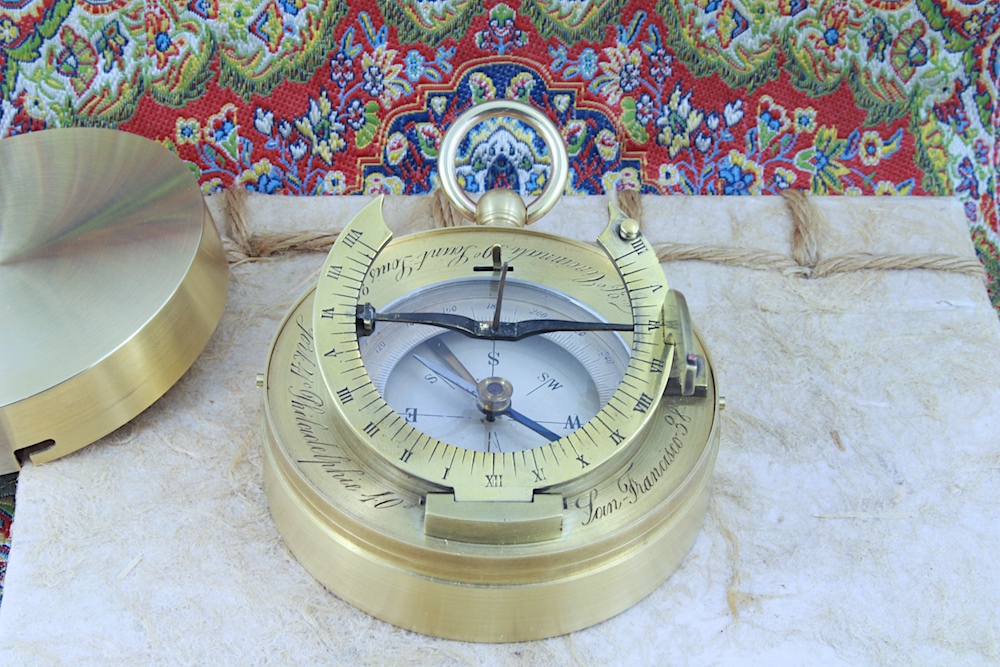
(518, 111)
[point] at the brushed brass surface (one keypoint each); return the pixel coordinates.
(356, 515)
(501, 207)
(679, 332)
(112, 280)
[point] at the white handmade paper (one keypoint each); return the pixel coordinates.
(854, 519)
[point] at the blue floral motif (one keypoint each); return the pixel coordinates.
(770, 119)
(629, 78)
(736, 181)
(223, 131)
(645, 109)
(341, 69)
(587, 64)
(162, 41)
(289, 7)
(374, 81)
(969, 183)
(659, 59)
(415, 65)
(418, 67)
(267, 184)
(584, 67)
(188, 132)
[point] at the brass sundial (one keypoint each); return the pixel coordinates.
(489, 433)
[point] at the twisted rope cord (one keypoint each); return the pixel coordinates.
(750, 258)
(242, 245)
(444, 212)
(808, 223)
(630, 202)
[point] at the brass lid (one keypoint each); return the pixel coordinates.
(112, 280)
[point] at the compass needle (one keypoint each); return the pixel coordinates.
(443, 351)
(484, 390)
(417, 490)
(453, 378)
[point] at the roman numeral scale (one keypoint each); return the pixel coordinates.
(463, 473)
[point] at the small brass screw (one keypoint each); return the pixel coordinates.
(629, 230)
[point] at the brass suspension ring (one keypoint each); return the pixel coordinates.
(518, 111)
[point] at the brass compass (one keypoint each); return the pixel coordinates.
(488, 433)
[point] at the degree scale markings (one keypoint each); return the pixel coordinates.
(359, 246)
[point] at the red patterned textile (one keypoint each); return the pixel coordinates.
(673, 96)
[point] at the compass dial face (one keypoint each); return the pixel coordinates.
(434, 430)
(557, 381)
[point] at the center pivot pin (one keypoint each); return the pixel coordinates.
(493, 396)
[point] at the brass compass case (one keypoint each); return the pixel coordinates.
(489, 433)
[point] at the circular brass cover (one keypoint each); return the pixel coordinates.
(112, 280)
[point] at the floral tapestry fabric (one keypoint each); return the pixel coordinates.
(734, 97)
